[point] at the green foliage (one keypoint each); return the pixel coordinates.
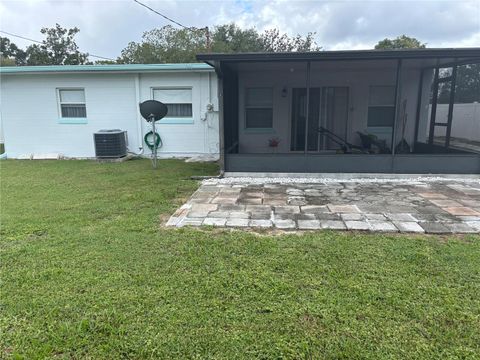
(165, 45)
(172, 45)
(88, 273)
(400, 42)
(10, 53)
(468, 84)
(229, 38)
(59, 48)
(274, 41)
(467, 89)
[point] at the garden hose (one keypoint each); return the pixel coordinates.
(158, 140)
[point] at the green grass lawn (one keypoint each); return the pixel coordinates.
(87, 272)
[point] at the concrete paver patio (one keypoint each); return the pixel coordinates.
(407, 206)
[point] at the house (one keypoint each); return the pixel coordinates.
(367, 111)
(53, 111)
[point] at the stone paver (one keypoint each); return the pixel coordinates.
(400, 217)
(382, 226)
(462, 228)
(408, 226)
(214, 221)
(435, 228)
(461, 210)
(445, 206)
(308, 224)
(285, 224)
(357, 225)
(343, 208)
(260, 223)
(237, 222)
(332, 224)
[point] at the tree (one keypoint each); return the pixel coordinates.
(59, 48)
(171, 45)
(11, 54)
(467, 85)
(165, 45)
(229, 38)
(273, 41)
(400, 42)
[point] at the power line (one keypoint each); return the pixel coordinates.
(158, 13)
(207, 31)
(21, 37)
(40, 42)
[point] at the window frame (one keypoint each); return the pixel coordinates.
(392, 106)
(66, 119)
(175, 119)
(261, 107)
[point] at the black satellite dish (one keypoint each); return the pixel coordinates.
(153, 110)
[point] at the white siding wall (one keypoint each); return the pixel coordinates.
(358, 82)
(30, 114)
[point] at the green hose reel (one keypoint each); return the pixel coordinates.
(157, 142)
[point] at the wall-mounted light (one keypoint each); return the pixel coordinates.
(284, 92)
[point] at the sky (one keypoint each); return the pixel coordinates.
(107, 26)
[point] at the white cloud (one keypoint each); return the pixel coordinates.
(108, 25)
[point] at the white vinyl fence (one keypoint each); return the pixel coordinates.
(465, 122)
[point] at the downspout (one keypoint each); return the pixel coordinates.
(221, 119)
(206, 143)
(138, 117)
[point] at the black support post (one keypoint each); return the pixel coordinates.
(419, 107)
(451, 105)
(307, 117)
(434, 107)
(398, 96)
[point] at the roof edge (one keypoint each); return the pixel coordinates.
(343, 54)
(123, 68)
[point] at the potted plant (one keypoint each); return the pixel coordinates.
(273, 143)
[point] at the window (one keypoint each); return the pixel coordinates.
(72, 103)
(178, 101)
(381, 106)
(259, 108)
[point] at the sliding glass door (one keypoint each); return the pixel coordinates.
(327, 122)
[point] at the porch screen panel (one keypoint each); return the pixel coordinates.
(328, 110)
(299, 114)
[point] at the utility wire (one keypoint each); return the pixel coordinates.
(39, 42)
(164, 16)
(207, 31)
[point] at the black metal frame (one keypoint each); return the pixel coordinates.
(436, 81)
(414, 163)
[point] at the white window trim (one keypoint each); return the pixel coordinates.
(175, 120)
(66, 120)
(246, 106)
(393, 105)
